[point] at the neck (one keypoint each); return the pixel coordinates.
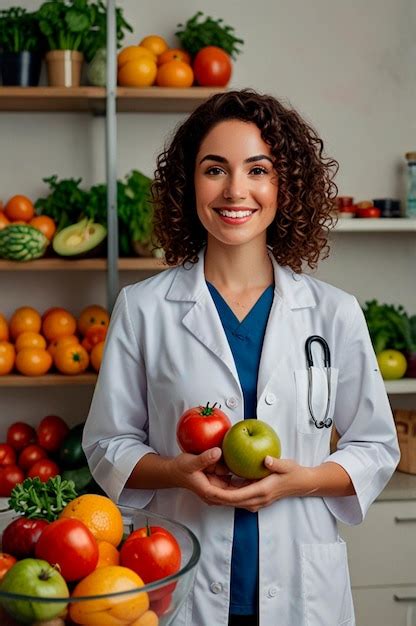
(238, 267)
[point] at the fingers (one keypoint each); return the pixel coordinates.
(205, 460)
(280, 466)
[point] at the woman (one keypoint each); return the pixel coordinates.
(243, 198)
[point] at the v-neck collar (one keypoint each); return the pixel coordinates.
(228, 315)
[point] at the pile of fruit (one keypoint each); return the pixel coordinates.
(23, 235)
(67, 546)
(50, 449)
(33, 344)
(204, 57)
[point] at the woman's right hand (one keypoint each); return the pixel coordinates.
(198, 474)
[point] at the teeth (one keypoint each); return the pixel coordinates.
(235, 213)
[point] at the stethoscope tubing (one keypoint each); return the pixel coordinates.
(327, 421)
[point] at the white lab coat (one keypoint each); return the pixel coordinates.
(166, 351)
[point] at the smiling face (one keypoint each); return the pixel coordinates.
(235, 184)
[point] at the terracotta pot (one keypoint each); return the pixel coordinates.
(64, 68)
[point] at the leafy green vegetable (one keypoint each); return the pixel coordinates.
(66, 202)
(96, 37)
(34, 498)
(19, 30)
(390, 326)
(195, 35)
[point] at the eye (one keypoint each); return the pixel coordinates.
(214, 171)
(257, 170)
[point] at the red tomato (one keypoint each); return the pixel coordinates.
(201, 428)
(7, 454)
(51, 432)
(370, 211)
(6, 562)
(44, 468)
(152, 552)
(212, 67)
(10, 476)
(95, 334)
(19, 435)
(71, 545)
(30, 455)
(20, 536)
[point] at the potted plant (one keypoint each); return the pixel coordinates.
(95, 42)
(21, 46)
(65, 23)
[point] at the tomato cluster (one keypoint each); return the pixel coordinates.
(27, 452)
(33, 343)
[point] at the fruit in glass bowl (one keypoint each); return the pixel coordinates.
(112, 594)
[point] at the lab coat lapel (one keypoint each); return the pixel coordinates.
(290, 293)
(202, 319)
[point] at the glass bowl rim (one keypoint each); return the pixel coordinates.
(193, 561)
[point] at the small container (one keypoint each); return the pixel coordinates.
(388, 207)
(343, 201)
(411, 185)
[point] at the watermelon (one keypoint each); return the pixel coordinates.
(21, 242)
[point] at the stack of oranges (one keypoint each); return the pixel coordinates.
(20, 210)
(32, 343)
(153, 62)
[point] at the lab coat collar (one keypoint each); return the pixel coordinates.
(189, 285)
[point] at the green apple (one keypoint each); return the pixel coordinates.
(246, 445)
(39, 580)
(392, 364)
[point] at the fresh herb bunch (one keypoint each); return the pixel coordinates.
(390, 326)
(195, 35)
(35, 499)
(66, 202)
(65, 23)
(19, 31)
(96, 37)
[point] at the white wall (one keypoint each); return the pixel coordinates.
(349, 67)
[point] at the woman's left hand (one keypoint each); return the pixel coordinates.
(288, 478)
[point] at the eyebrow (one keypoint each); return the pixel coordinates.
(220, 159)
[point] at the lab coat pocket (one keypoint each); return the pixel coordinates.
(320, 399)
(326, 585)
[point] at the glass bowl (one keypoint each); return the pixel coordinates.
(155, 604)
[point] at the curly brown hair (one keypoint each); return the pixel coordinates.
(306, 192)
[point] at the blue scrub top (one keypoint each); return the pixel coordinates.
(246, 342)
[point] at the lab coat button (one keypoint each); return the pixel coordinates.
(231, 402)
(272, 592)
(216, 587)
(270, 398)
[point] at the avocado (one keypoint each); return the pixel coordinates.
(81, 477)
(79, 238)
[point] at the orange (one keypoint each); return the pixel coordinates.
(99, 514)
(138, 73)
(4, 221)
(91, 316)
(33, 361)
(24, 319)
(52, 308)
(132, 53)
(4, 329)
(96, 355)
(71, 359)
(45, 224)
(107, 554)
(58, 323)
(7, 357)
(155, 44)
(149, 618)
(19, 208)
(175, 74)
(109, 611)
(68, 340)
(30, 339)
(174, 54)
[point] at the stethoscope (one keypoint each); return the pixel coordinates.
(327, 421)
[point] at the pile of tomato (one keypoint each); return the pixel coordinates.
(34, 344)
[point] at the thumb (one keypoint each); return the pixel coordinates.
(280, 466)
(207, 458)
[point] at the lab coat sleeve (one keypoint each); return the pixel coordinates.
(368, 448)
(116, 431)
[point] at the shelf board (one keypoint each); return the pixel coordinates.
(371, 225)
(40, 265)
(48, 380)
(402, 386)
(93, 99)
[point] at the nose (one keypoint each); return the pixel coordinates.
(235, 187)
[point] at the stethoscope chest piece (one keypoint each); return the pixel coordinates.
(326, 422)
